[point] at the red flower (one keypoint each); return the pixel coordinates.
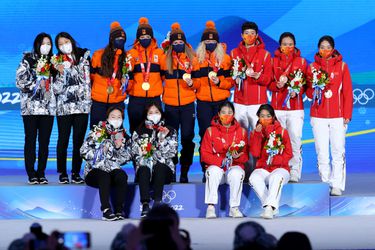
(296, 83)
(43, 70)
(148, 147)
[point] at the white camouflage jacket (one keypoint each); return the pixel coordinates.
(73, 87)
(102, 153)
(34, 100)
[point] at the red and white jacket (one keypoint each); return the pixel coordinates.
(285, 65)
(253, 91)
(258, 141)
(218, 139)
(341, 102)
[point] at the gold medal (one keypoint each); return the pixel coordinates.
(186, 76)
(212, 74)
(145, 86)
(109, 90)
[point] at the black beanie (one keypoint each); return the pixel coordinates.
(116, 31)
(210, 33)
(176, 33)
(144, 28)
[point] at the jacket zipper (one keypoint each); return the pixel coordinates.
(276, 101)
(209, 83)
(146, 69)
(329, 75)
(178, 85)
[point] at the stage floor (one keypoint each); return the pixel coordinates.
(336, 232)
(356, 232)
(357, 184)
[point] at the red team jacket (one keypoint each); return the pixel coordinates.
(258, 141)
(283, 64)
(341, 102)
(254, 91)
(218, 139)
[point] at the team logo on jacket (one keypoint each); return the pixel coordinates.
(156, 58)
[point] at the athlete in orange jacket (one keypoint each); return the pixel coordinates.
(145, 85)
(181, 77)
(215, 80)
(106, 74)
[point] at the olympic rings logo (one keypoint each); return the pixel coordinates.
(169, 196)
(363, 97)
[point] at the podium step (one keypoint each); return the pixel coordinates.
(76, 201)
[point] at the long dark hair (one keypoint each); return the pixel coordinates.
(112, 108)
(226, 104)
(269, 108)
(74, 44)
(108, 58)
(327, 38)
(287, 34)
(38, 42)
(157, 105)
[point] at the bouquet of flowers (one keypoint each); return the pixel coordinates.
(100, 133)
(320, 82)
(238, 70)
(43, 67)
(229, 155)
(294, 85)
(274, 146)
(148, 149)
(126, 68)
(236, 147)
(57, 60)
(99, 136)
(42, 73)
(166, 43)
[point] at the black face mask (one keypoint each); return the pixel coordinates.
(145, 42)
(119, 43)
(211, 46)
(178, 48)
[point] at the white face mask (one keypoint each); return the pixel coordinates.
(45, 49)
(66, 48)
(155, 118)
(116, 123)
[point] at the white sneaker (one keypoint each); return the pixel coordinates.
(293, 178)
(267, 213)
(336, 192)
(235, 212)
(210, 213)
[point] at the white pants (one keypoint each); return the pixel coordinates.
(330, 134)
(216, 176)
(292, 120)
(246, 115)
(275, 180)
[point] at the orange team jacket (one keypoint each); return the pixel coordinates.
(100, 83)
(207, 90)
(176, 90)
(142, 55)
